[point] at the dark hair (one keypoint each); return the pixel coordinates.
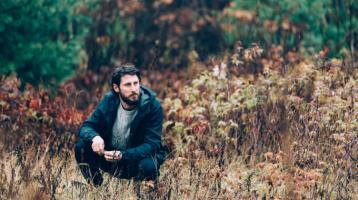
(122, 70)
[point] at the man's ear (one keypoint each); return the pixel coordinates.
(115, 88)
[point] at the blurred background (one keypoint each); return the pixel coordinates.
(48, 41)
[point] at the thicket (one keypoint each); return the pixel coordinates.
(49, 40)
(303, 25)
(252, 124)
(43, 41)
(167, 33)
(295, 129)
(284, 131)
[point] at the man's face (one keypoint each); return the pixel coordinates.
(129, 89)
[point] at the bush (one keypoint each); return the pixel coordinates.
(294, 25)
(169, 33)
(155, 33)
(42, 41)
(295, 130)
(233, 134)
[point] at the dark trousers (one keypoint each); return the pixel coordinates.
(90, 163)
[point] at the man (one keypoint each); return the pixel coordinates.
(123, 134)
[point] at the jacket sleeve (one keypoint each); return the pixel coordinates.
(152, 136)
(91, 127)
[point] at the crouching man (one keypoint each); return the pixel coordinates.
(123, 134)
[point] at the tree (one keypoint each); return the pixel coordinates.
(42, 40)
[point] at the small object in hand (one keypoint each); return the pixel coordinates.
(113, 155)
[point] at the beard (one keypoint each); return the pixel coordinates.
(132, 102)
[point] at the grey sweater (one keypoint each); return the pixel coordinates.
(121, 128)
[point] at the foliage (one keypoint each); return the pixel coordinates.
(230, 118)
(294, 25)
(43, 41)
(46, 41)
(277, 132)
(155, 33)
(162, 34)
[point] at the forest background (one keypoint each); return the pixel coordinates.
(260, 96)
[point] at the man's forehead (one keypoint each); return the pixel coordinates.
(129, 78)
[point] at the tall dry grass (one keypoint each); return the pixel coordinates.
(285, 132)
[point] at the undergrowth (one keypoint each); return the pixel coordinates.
(280, 131)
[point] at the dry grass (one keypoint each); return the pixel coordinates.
(291, 135)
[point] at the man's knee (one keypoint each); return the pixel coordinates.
(81, 149)
(148, 168)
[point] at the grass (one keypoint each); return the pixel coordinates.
(291, 135)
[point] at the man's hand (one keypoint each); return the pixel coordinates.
(98, 145)
(113, 156)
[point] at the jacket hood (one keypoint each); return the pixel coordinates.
(147, 95)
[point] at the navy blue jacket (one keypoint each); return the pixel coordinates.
(146, 127)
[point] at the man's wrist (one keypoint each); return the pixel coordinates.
(94, 137)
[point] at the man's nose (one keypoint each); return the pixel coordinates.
(133, 88)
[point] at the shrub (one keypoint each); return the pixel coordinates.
(43, 40)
